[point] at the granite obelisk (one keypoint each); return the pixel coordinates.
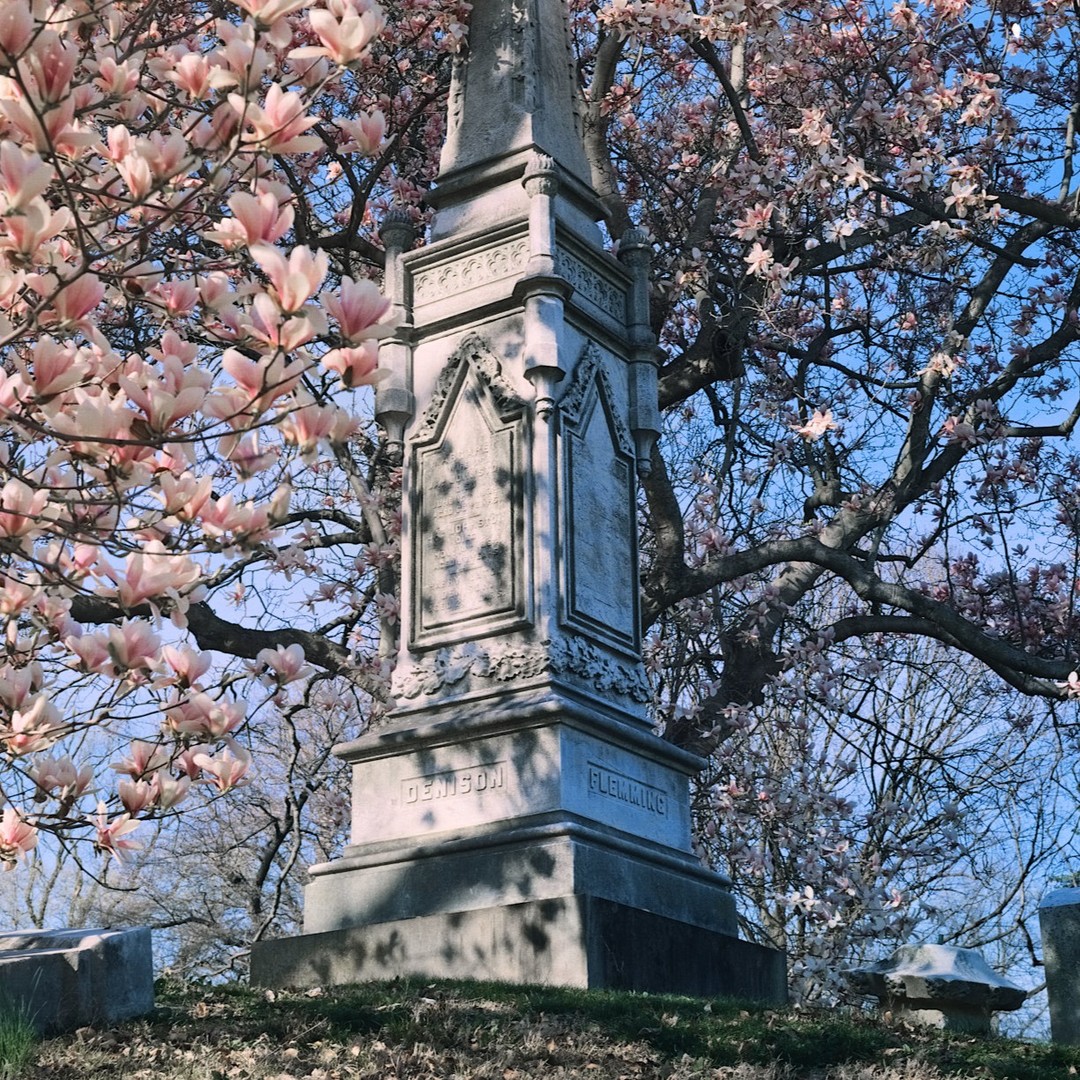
(518, 819)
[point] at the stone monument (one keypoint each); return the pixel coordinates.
(939, 986)
(1059, 921)
(62, 980)
(518, 819)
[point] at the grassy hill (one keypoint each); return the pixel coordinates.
(419, 1030)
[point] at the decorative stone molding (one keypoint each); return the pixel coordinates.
(606, 295)
(591, 370)
(505, 662)
(479, 268)
(478, 355)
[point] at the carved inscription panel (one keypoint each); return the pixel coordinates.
(601, 568)
(609, 783)
(453, 784)
(467, 539)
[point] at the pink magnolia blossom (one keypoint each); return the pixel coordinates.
(188, 665)
(308, 426)
(34, 727)
(54, 368)
(257, 219)
(143, 759)
(169, 791)
(357, 366)
(23, 177)
(17, 837)
(346, 30)
(267, 325)
(19, 684)
(264, 381)
(269, 11)
(20, 509)
(91, 652)
(228, 769)
(51, 62)
(109, 838)
(186, 763)
(77, 299)
(248, 455)
(285, 663)
(818, 424)
(198, 714)
(366, 132)
(133, 644)
(278, 126)
(16, 28)
(26, 232)
(358, 307)
(135, 795)
(60, 777)
(296, 279)
(153, 574)
(959, 431)
(225, 517)
(184, 495)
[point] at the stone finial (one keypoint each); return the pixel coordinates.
(515, 87)
(541, 175)
(939, 986)
(397, 230)
(634, 240)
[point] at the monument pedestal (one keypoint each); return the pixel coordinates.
(578, 940)
(530, 841)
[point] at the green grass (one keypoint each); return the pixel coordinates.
(18, 1038)
(481, 1031)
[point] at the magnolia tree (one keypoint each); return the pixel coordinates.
(867, 286)
(919, 805)
(181, 347)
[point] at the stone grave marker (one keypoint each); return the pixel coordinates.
(939, 986)
(62, 980)
(1059, 921)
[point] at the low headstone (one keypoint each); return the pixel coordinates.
(939, 986)
(1059, 919)
(62, 980)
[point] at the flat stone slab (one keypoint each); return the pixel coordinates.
(73, 978)
(1059, 920)
(939, 986)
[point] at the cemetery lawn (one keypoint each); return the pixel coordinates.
(437, 1031)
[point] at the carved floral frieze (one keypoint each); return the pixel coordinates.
(507, 662)
(480, 268)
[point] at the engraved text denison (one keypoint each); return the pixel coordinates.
(456, 782)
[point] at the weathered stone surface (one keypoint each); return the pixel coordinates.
(939, 986)
(430, 786)
(547, 860)
(67, 979)
(562, 941)
(1059, 919)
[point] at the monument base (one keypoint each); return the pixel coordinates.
(578, 941)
